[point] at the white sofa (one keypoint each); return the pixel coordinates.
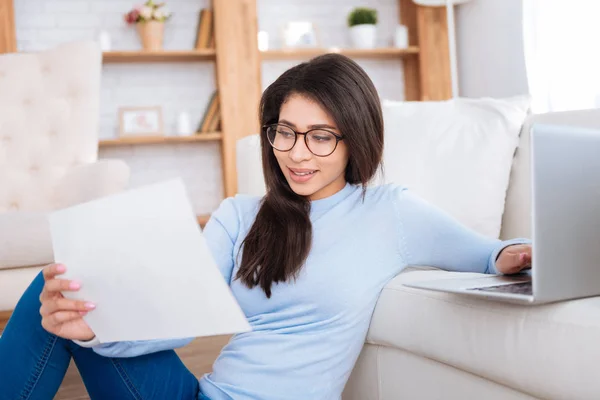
(424, 345)
(49, 112)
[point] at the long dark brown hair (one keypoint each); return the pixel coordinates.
(279, 241)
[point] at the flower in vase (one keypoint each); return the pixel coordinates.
(149, 11)
(132, 16)
(146, 13)
(158, 14)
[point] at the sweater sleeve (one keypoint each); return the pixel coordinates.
(431, 237)
(220, 233)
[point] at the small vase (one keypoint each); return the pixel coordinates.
(104, 40)
(184, 126)
(363, 36)
(401, 37)
(151, 34)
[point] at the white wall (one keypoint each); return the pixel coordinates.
(490, 48)
(177, 87)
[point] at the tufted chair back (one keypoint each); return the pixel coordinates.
(49, 111)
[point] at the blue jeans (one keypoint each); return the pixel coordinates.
(33, 364)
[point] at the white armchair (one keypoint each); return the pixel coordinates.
(49, 112)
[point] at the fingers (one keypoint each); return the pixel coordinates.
(520, 258)
(50, 271)
(513, 269)
(62, 304)
(62, 317)
(61, 285)
(53, 286)
(515, 258)
(525, 252)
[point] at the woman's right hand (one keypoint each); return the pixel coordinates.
(61, 316)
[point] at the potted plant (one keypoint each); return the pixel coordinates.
(149, 19)
(362, 22)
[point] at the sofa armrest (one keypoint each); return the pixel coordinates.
(25, 236)
(91, 181)
(24, 240)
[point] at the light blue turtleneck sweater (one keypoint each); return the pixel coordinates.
(306, 338)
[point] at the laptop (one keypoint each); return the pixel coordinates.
(565, 187)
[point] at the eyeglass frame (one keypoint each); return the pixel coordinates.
(338, 138)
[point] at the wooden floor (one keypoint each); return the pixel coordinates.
(198, 356)
(4, 316)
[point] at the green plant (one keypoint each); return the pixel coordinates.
(361, 16)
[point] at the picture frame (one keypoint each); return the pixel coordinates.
(141, 121)
(299, 35)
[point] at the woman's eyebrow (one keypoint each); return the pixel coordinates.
(325, 126)
(316, 126)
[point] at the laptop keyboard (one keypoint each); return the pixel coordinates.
(516, 288)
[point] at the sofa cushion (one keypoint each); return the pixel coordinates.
(13, 283)
(250, 178)
(547, 351)
(517, 212)
(24, 239)
(457, 154)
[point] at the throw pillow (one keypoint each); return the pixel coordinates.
(456, 154)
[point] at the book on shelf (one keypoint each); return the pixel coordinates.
(211, 120)
(205, 32)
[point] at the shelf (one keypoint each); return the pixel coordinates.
(384, 52)
(158, 56)
(201, 137)
(203, 219)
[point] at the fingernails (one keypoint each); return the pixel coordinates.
(61, 268)
(90, 306)
(82, 313)
(74, 285)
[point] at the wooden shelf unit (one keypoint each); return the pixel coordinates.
(237, 75)
(159, 56)
(200, 137)
(8, 30)
(426, 66)
(378, 53)
(426, 61)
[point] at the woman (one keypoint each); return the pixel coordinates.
(317, 250)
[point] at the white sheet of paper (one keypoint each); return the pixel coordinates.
(142, 259)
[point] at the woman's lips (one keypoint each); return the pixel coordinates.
(301, 175)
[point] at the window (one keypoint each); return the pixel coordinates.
(562, 53)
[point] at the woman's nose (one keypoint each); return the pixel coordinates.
(300, 152)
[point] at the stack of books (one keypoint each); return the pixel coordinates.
(211, 121)
(205, 38)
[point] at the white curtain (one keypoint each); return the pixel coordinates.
(562, 53)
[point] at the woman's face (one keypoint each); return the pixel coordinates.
(307, 174)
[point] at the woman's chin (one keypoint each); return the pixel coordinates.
(302, 189)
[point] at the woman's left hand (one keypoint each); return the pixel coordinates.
(513, 259)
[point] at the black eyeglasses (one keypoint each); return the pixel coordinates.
(321, 142)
